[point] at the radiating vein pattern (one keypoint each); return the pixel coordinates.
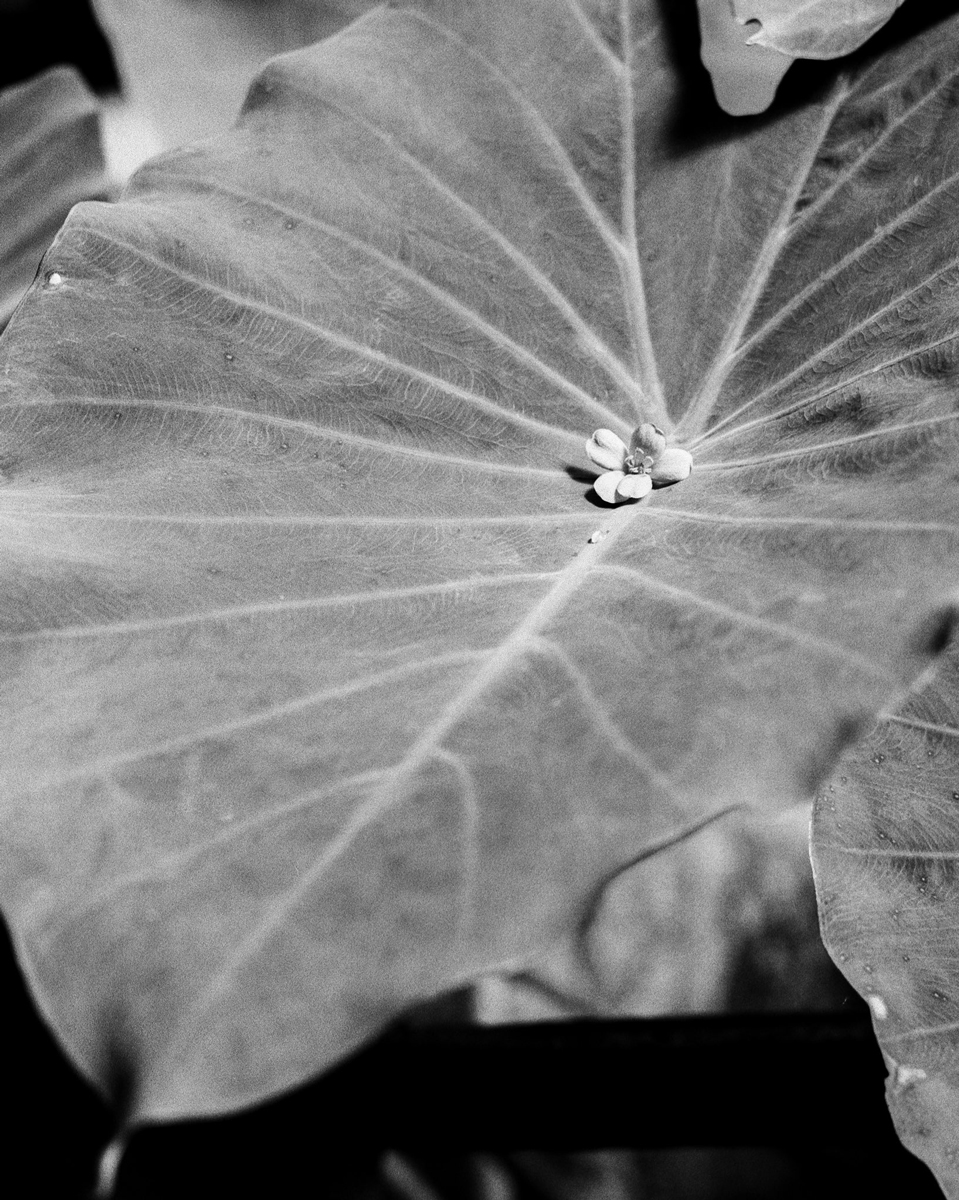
(322, 661)
(865, 334)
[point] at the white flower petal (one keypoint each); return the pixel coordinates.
(647, 439)
(672, 466)
(606, 485)
(634, 487)
(607, 450)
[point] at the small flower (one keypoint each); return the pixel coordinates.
(630, 471)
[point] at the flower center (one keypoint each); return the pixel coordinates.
(637, 463)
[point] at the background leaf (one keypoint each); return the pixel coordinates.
(166, 49)
(886, 843)
(815, 28)
(50, 159)
(745, 76)
(321, 695)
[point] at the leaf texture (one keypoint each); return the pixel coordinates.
(885, 848)
(328, 684)
(815, 28)
(50, 159)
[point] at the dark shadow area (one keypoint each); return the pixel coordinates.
(580, 474)
(699, 120)
(37, 34)
(805, 1091)
(56, 1123)
(809, 1088)
(587, 477)
(689, 1173)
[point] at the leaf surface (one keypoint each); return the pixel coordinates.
(328, 684)
(50, 159)
(885, 849)
(814, 28)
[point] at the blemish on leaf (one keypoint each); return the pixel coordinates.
(935, 632)
(878, 1006)
(907, 1075)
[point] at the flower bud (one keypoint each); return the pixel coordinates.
(647, 440)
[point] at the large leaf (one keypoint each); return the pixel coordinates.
(50, 158)
(886, 844)
(328, 683)
(814, 28)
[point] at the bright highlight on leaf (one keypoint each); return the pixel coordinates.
(813, 28)
(629, 472)
(745, 76)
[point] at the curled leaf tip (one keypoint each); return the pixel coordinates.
(630, 472)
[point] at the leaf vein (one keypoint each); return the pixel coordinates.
(543, 128)
(593, 35)
(363, 350)
(264, 716)
(652, 405)
(840, 522)
(820, 447)
(466, 916)
(603, 720)
(725, 357)
(861, 160)
(879, 234)
(308, 428)
(848, 333)
(923, 726)
(818, 397)
(737, 617)
(455, 587)
(166, 864)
